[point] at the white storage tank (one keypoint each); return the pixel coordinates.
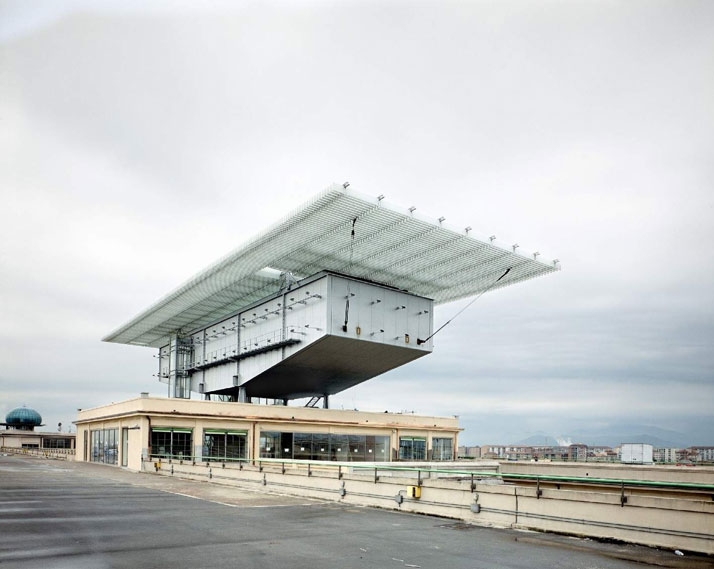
(636, 453)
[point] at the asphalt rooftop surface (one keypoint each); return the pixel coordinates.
(56, 514)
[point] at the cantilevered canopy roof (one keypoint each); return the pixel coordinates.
(392, 246)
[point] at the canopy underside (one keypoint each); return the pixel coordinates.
(392, 247)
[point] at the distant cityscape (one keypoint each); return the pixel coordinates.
(582, 453)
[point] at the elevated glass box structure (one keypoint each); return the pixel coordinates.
(338, 292)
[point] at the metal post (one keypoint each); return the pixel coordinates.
(623, 498)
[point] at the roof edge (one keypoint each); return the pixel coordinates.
(218, 265)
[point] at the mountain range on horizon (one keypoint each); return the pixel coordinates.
(691, 433)
(613, 436)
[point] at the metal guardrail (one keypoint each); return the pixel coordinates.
(63, 452)
(473, 475)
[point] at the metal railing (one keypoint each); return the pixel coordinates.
(43, 452)
(376, 468)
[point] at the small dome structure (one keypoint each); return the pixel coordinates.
(23, 418)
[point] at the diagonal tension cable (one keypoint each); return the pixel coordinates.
(474, 299)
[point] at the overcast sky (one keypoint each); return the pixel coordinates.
(138, 145)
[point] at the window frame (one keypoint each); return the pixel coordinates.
(176, 441)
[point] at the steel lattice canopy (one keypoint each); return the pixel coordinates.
(390, 246)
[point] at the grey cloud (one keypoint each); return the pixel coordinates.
(139, 145)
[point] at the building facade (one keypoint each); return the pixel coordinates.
(146, 429)
(11, 439)
(703, 453)
(19, 433)
(665, 455)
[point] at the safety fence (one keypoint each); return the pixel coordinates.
(58, 453)
(676, 515)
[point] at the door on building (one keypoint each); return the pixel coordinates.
(124, 446)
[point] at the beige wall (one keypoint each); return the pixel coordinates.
(659, 473)
(16, 439)
(278, 413)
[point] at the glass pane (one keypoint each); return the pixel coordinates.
(111, 455)
(236, 446)
(302, 446)
(94, 446)
(286, 445)
(321, 446)
(357, 447)
(381, 449)
(419, 449)
(214, 446)
(170, 444)
(124, 446)
(377, 449)
(442, 449)
(161, 443)
(339, 447)
(104, 446)
(269, 444)
(181, 445)
(406, 450)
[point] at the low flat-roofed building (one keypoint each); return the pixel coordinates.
(149, 428)
(664, 454)
(469, 452)
(704, 454)
(22, 439)
(19, 433)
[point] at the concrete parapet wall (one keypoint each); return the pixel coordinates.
(656, 473)
(215, 411)
(649, 518)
